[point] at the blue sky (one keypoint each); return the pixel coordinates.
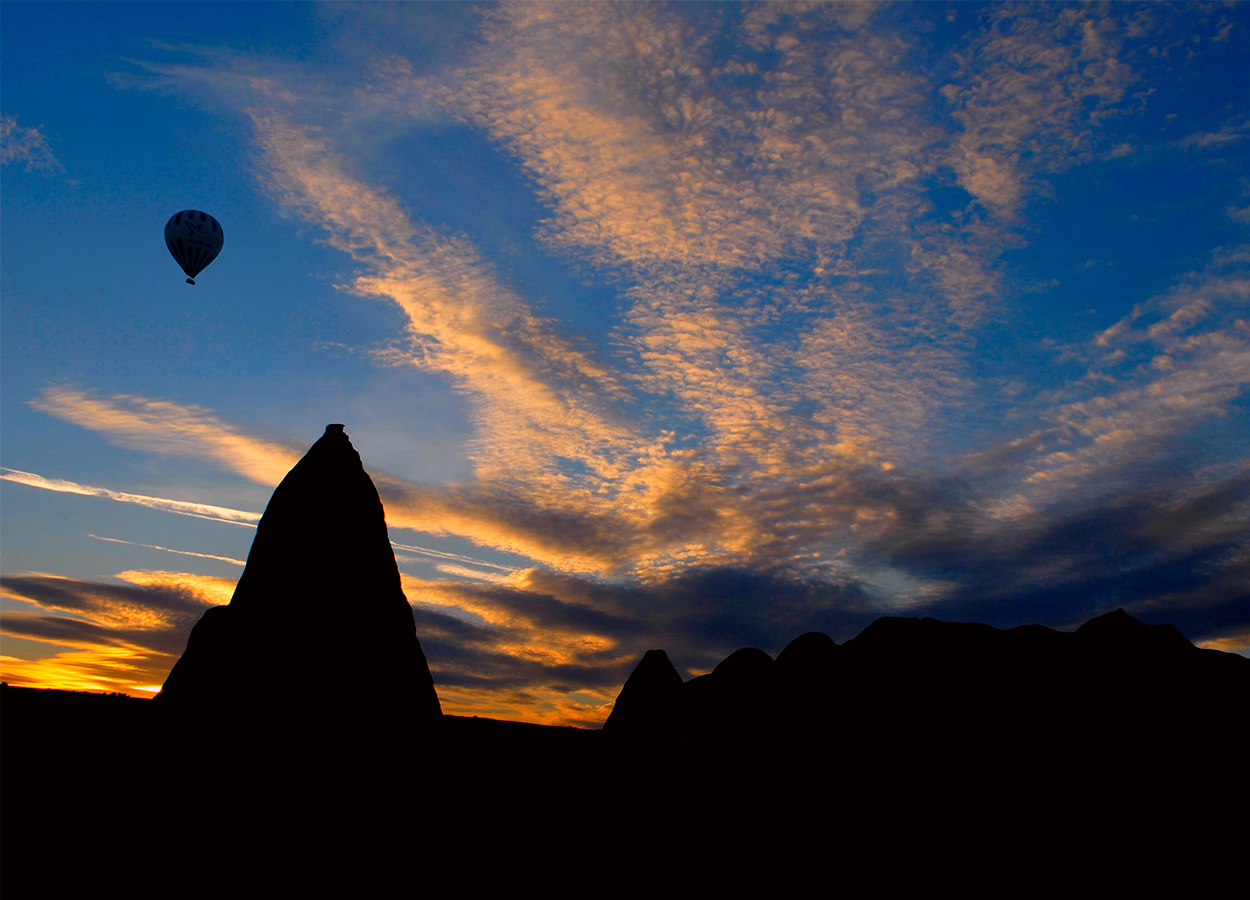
(691, 326)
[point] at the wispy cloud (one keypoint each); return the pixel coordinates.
(1233, 132)
(475, 574)
(26, 146)
(168, 428)
(529, 387)
(1176, 361)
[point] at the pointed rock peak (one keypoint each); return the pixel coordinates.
(656, 667)
(333, 450)
(334, 439)
(323, 534)
(320, 584)
(646, 701)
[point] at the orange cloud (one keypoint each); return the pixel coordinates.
(209, 589)
(535, 396)
(168, 428)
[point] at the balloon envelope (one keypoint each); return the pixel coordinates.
(194, 238)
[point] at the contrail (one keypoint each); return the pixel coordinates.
(454, 557)
(200, 511)
(237, 562)
(469, 573)
(179, 507)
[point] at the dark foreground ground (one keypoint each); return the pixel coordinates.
(104, 791)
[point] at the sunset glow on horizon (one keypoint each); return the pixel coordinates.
(689, 326)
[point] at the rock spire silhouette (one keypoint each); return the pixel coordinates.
(318, 621)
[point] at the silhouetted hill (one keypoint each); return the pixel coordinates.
(946, 692)
(318, 625)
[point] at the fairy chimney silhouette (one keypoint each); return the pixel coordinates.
(318, 620)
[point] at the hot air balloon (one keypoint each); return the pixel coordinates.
(195, 239)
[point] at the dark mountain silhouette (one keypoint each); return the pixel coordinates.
(1112, 687)
(318, 620)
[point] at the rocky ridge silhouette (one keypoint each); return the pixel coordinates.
(903, 687)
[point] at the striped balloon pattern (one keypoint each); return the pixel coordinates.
(194, 238)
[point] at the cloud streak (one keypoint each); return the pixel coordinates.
(168, 428)
(26, 146)
(231, 560)
(177, 507)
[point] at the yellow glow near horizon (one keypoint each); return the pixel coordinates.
(540, 707)
(101, 669)
(89, 665)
